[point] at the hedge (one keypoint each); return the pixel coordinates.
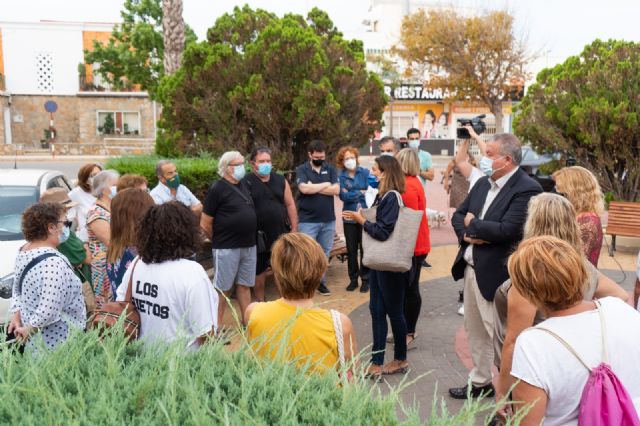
(89, 381)
(196, 173)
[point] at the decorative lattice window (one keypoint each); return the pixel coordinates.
(44, 72)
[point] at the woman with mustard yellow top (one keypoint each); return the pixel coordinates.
(292, 328)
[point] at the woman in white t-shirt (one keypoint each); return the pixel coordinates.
(172, 293)
(550, 273)
(81, 194)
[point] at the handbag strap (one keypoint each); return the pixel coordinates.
(337, 328)
(242, 194)
(605, 355)
(398, 196)
(127, 297)
(33, 262)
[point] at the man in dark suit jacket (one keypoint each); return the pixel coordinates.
(489, 225)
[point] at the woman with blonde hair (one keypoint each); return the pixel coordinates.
(581, 187)
(128, 208)
(387, 289)
(415, 199)
(292, 327)
(548, 215)
(553, 361)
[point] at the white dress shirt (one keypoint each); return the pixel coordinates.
(496, 187)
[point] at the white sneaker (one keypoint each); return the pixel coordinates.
(461, 310)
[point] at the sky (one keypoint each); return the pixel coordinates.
(555, 28)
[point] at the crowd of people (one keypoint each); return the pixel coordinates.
(528, 261)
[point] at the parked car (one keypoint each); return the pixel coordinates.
(19, 188)
(531, 160)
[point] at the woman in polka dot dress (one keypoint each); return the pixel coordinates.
(49, 301)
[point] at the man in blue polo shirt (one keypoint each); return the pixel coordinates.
(317, 183)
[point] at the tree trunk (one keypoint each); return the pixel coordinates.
(172, 34)
(496, 110)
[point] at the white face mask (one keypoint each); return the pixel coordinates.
(350, 164)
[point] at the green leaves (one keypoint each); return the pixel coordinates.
(588, 106)
(281, 82)
(134, 53)
(110, 382)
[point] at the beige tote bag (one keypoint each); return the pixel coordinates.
(394, 254)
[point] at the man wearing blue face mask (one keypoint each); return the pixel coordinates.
(275, 210)
(426, 162)
(170, 188)
(489, 225)
(229, 220)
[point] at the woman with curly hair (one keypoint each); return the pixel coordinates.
(47, 294)
(171, 291)
(354, 181)
(581, 188)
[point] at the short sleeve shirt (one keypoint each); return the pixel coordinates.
(175, 299)
(162, 194)
(316, 208)
(234, 216)
(426, 162)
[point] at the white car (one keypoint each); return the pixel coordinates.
(19, 188)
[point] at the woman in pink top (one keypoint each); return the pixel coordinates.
(581, 188)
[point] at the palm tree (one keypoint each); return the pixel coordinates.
(173, 34)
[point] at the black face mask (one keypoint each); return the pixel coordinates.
(317, 163)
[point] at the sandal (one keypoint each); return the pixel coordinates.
(399, 369)
(374, 372)
(411, 338)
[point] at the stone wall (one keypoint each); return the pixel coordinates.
(75, 120)
(4, 103)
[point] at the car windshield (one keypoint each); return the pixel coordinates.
(530, 155)
(13, 201)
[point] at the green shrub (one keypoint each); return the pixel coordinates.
(196, 173)
(608, 198)
(88, 381)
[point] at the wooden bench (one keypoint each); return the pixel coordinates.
(339, 249)
(624, 220)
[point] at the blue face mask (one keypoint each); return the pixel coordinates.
(414, 143)
(486, 166)
(373, 181)
(65, 235)
(238, 172)
(114, 191)
(264, 169)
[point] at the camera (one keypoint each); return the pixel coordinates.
(478, 125)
